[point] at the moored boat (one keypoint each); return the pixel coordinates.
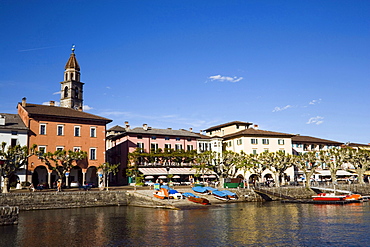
(220, 195)
(193, 198)
(161, 194)
(201, 190)
(231, 195)
(174, 194)
(210, 189)
(329, 197)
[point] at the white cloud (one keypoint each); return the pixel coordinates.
(315, 120)
(281, 108)
(315, 101)
(86, 108)
(107, 87)
(225, 78)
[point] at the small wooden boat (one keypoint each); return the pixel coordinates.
(231, 195)
(193, 198)
(220, 195)
(161, 194)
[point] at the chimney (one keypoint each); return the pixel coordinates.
(2, 120)
(52, 103)
(24, 101)
(191, 129)
(80, 108)
(145, 126)
(255, 126)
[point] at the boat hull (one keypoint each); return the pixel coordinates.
(199, 200)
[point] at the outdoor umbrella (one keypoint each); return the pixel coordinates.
(149, 177)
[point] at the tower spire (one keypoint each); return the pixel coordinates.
(71, 88)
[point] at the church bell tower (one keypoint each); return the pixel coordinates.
(71, 95)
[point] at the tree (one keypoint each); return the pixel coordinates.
(307, 163)
(62, 161)
(360, 159)
(250, 163)
(334, 159)
(13, 159)
(107, 169)
(277, 163)
(203, 163)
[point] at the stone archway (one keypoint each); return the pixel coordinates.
(75, 175)
(92, 176)
(40, 176)
(253, 179)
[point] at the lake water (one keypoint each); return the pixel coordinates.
(239, 224)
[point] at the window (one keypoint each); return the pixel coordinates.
(282, 150)
(140, 145)
(139, 137)
(92, 153)
(92, 131)
(265, 141)
(178, 147)
(42, 129)
(60, 148)
(281, 141)
(189, 139)
(254, 141)
(254, 151)
(14, 133)
(166, 138)
(167, 147)
(13, 142)
(189, 147)
(76, 149)
(153, 147)
(266, 150)
(177, 138)
(154, 137)
(42, 150)
(60, 130)
(239, 142)
(77, 131)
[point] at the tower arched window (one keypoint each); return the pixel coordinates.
(65, 92)
(76, 93)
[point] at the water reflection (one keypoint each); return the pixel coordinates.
(246, 224)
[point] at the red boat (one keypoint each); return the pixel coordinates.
(200, 200)
(329, 197)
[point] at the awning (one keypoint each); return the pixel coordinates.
(163, 171)
(339, 173)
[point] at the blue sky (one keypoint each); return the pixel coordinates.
(297, 67)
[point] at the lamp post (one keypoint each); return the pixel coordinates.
(168, 171)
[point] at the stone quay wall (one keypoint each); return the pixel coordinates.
(9, 215)
(63, 200)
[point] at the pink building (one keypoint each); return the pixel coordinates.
(123, 140)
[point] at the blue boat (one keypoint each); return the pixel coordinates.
(187, 194)
(201, 190)
(230, 194)
(220, 195)
(210, 189)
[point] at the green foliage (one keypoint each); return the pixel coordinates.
(62, 161)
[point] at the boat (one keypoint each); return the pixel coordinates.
(161, 194)
(193, 198)
(220, 195)
(201, 190)
(174, 194)
(231, 195)
(328, 197)
(210, 189)
(356, 197)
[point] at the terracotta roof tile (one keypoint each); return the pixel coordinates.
(227, 124)
(61, 112)
(257, 132)
(310, 139)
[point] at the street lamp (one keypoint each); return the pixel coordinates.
(168, 171)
